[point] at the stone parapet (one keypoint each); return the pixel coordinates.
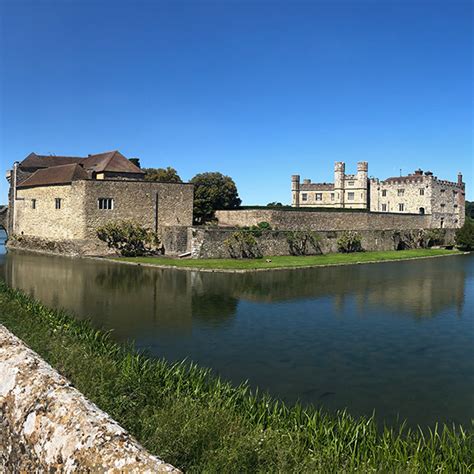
(46, 425)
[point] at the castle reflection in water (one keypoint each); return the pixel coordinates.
(129, 299)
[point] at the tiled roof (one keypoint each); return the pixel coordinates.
(45, 161)
(63, 174)
(112, 161)
(317, 187)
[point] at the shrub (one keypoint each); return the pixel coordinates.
(465, 235)
(243, 244)
(300, 242)
(349, 242)
(130, 239)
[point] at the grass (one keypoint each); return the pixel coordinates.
(290, 261)
(200, 423)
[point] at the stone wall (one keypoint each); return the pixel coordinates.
(320, 220)
(153, 205)
(46, 425)
(36, 213)
(211, 243)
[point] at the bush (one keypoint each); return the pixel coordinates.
(465, 235)
(243, 244)
(349, 242)
(300, 242)
(130, 239)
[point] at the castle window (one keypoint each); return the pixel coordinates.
(304, 197)
(332, 196)
(350, 196)
(318, 196)
(108, 203)
(350, 183)
(384, 207)
(384, 192)
(33, 204)
(443, 204)
(443, 190)
(401, 207)
(401, 192)
(57, 203)
(422, 191)
(455, 206)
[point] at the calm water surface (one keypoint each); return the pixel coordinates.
(396, 338)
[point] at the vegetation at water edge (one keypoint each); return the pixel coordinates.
(200, 423)
(292, 261)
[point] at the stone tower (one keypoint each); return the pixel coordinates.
(295, 190)
(339, 173)
(363, 182)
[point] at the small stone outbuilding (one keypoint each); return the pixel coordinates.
(58, 202)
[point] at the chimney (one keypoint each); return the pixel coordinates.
(460, 179)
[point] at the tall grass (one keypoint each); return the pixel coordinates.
(200, 423)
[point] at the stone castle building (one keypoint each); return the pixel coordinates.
(417, 193)
(65, 199)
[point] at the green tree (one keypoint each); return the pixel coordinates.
(470, 209)
(129, 238)
(465, 235)
(212, 192)
(274, 204)
(162, 175)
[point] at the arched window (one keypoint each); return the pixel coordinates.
(422, 210)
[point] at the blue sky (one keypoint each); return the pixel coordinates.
(256, 90)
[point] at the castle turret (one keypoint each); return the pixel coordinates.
(460, 183)
(339, 173)
(363, 182)
(295, 190)
(362, 170)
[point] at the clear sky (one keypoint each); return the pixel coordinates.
(256, 90)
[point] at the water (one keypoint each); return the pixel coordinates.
(396, 338)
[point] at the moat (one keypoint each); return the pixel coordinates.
(396, 338)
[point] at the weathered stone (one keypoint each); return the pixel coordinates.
(211, 242)
(46, 425)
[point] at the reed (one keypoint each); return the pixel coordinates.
(200, 423)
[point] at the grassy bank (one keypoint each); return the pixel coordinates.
(202, 424)
(291, 261)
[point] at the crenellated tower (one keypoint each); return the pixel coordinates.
(339, 175)
(295, 190)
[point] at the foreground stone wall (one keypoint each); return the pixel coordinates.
(46, 425)
(323, 221)
(211, 243)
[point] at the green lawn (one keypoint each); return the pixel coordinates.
(290, 261)
(200, 423)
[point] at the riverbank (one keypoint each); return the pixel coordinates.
(199, 423)
(286, 262)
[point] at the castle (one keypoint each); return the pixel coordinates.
(417, 193)
(64, 199)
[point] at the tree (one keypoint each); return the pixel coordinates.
(162, 175)
(213, 191)
(465, 235)
(274, 204)
(470, 209)
(129, 238)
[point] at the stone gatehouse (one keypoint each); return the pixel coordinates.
(65, 199)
